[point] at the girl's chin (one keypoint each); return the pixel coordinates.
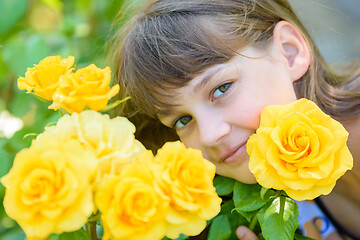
(241, 175)
(246, 179)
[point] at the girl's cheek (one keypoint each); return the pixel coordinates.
(248, 117)
(189, 139)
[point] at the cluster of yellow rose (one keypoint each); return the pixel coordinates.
(90, 164)
(54, 79)
(299, 149)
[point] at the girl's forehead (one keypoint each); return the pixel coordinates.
(172, 96)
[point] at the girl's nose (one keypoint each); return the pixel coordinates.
(211, 129)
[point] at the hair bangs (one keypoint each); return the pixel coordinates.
(165, 52)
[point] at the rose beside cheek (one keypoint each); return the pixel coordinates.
(299, 149)
(186, 178)
(49, 187)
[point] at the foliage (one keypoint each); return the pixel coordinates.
(254, 206)
(30, 31)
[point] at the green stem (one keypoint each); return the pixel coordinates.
(90, 228)
(253, 223)
(94, 218)
(62, 112)
(115, 104)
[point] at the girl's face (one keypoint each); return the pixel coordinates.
(220, 108)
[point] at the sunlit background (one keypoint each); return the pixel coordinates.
(334, 26)
(33, 29)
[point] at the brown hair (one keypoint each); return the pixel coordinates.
(171, 41)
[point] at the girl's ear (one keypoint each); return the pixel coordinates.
(293, 47)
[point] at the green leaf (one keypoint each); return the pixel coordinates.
(263, 191)
(34, 135)
(236, 220)
(300, 237)
(10, 12)
(280, 219)
(227, 207)
(5, 162)
(21, 104)
(77, 235)
(16, 143)
(220, 229)
(247, 215)
(181, 237)
(14, 235)
(224, 185)
(18, 54)
(3, 142)
(247, 197)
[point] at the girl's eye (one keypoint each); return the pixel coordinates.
(182, 121)
(220, 90)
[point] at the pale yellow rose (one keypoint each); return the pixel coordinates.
(187, 179)
(87, 87)
(132, 205)
(299, 149)
(111, 140)
(48, 189)
(43, 78)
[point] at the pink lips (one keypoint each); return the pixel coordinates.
(233, 153)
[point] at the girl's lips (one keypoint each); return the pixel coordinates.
(232, 155)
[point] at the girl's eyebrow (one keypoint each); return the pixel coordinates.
(166, 118)
(208, 76)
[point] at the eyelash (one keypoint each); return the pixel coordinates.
(226, 85)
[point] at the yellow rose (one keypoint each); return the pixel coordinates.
(132, 206)
(299, 149)
(187, 179)
(43, 78)
(48, 189)
(87, 87)
(111, 140)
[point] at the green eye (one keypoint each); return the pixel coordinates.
(220, 90)
(182, 121)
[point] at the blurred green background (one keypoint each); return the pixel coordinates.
(30, 30)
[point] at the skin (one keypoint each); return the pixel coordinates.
(224, 104)
(220, 108)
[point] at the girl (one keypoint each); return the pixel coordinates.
(203, 70)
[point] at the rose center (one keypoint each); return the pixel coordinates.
(38, 187)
